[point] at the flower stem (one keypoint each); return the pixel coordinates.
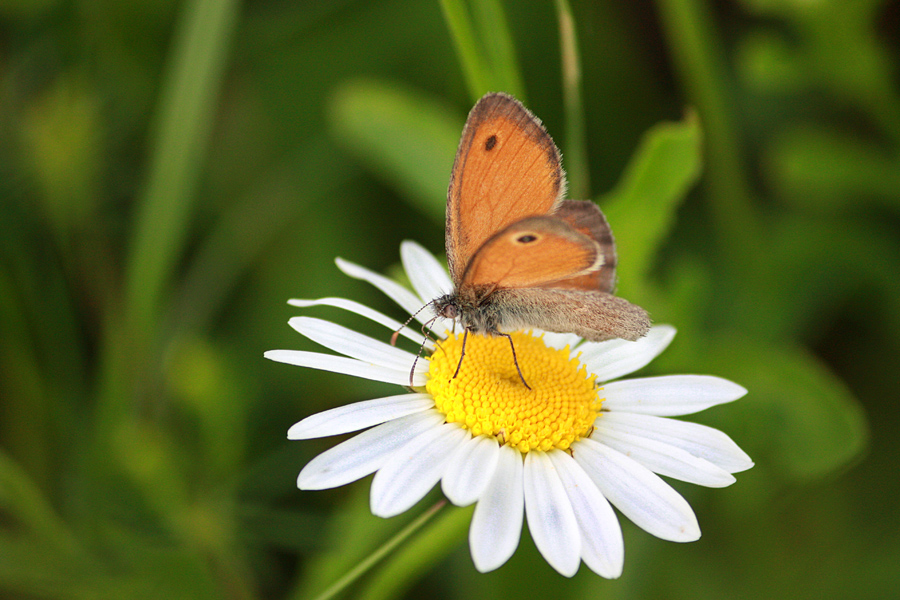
(366, 564)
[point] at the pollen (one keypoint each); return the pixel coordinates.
(488, 397)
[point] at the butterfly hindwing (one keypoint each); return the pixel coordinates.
(532, 252)
(595, 316)
(586, 218)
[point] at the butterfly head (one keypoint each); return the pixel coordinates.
(446, 306)
(473, 309)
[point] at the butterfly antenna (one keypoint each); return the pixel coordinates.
(425, 327)
(413, 316)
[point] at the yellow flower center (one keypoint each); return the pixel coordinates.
(487, 396)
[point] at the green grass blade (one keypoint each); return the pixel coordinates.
(576, 151)
(484, 46)
(474, 68)
(407, 139)
(499, 49)
(178, 149)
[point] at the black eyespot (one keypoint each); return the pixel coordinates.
(490, 143)
(526, 238)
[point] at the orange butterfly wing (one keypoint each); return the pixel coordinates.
(586, 218)
(533, 252)
(507, 168)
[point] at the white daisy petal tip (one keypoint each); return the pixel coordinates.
(739, 390)
(689, 533)
(612, 359)
(300, 431)
(413, 246)
(340, 262)
(664, 329)
(551, 518)
(638, 493)
(602, 544)
(426, 275)
(658, 338)
(359, 415)
(497, 522)
(743, 462)
(669, 395)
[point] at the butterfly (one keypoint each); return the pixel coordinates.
(520, 256)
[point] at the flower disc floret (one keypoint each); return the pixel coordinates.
(488, 397)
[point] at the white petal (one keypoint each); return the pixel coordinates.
(396, 292)
(364, 311)
(351, 343)
(700, 440)
(670, 395)
(641, 495)
(551, 519)
(425, 273)
(347, 366)
(558, 340)
(614, 358)
(602, 545)
(414, 469)
(365, 453)
(470, 470)
(497, 522)
(359, 415)
(662, 458)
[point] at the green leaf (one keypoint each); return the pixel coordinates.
(498, 48)
(768, 63)
(484, 46)
(798, 418)
(406, 138)
(22, 501)
(823, 170)
(641, 209)
(32, 568)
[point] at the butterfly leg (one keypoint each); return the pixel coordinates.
(462, 352)
(515, 360)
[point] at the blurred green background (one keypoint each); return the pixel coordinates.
(171, 172)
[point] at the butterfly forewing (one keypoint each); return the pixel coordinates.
(520, 257)
(507, 168)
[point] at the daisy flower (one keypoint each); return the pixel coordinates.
(560, 455)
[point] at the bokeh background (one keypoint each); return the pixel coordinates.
(172, 171)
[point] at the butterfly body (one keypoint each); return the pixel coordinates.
(520, 256)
